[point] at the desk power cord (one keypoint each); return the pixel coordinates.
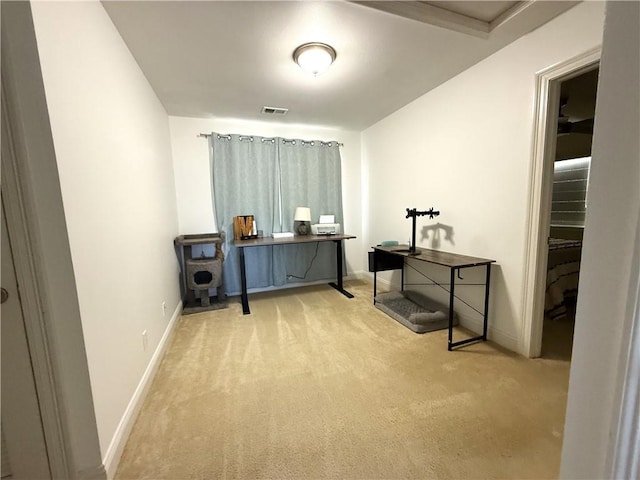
(290, 275)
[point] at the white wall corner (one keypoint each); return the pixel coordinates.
(116, 448)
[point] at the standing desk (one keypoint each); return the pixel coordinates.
(296, 239)
(395, 257)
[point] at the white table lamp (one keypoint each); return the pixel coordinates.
(302, 220)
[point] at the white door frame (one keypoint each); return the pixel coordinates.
(23, 437)
(36, 226)
(30, 299)
(624, 459)
(540, 193)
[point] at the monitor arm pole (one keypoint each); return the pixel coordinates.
(413, 213)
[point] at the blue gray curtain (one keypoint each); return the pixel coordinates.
(310, 176)
(268, 178)
(244, 172)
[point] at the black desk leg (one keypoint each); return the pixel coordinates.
(451, 297)
(243, 281)
(486, 302)
(375, 286)
(339, 263)
(338, 285)
(477, 338)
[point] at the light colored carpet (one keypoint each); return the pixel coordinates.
(314, 385)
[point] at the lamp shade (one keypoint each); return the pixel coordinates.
(303, 214)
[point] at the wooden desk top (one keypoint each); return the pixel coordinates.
(266, 241)
(453, 260)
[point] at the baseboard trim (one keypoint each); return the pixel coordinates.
(386, 283)
(95, 473)
(494, 335)
(114, 452)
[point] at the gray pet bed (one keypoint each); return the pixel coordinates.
(414, 311)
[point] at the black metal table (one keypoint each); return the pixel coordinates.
(395, 257)
(296, 239)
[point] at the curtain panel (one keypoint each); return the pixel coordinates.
(310, 176)
(268, 178)
(244, 183)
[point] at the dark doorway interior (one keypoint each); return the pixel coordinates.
(576, 111)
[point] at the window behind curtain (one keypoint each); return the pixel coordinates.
(269, 178)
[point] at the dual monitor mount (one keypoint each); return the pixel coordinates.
(413, 213)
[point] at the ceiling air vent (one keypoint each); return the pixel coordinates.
(274, 110)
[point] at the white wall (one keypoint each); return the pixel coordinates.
(193, 177)
(609, 275)
(465, 148)
(111, 139)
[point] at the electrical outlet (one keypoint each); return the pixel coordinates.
(164, 309)
(145, 340)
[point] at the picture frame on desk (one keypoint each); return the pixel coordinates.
(244, 227)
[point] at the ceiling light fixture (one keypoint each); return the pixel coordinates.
(314, 58)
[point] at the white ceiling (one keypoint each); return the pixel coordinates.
(231, 58)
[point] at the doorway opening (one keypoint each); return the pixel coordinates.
(569, 195)
(554, 121)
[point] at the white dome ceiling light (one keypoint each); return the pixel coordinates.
(314, 58)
